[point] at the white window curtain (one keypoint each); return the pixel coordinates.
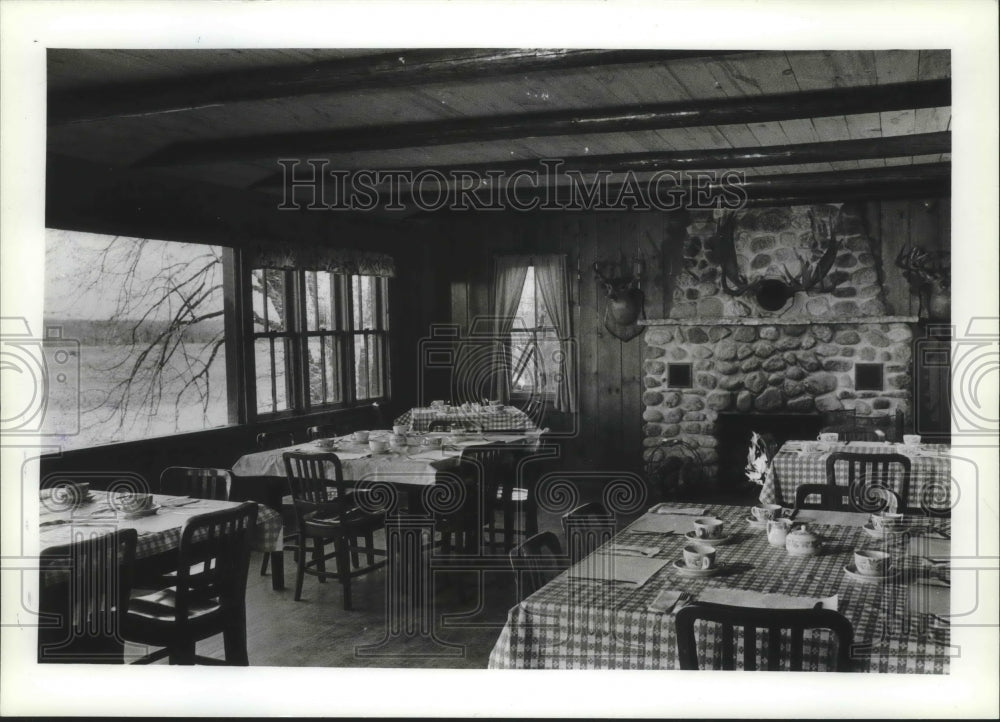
(550, 276)
(509, 273)
(508, 282)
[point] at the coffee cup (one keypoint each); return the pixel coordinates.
(360, 436)
(828, 436)
(911, 439)
(871, 562)
(708, 528)
(399, 429)
(398, 441)
(766, 512)
(431, 442)
(699, 556)
(378, 446)
(886, 521)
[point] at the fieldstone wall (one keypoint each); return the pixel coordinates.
(799, 359)
(778, 243)
(760, 369)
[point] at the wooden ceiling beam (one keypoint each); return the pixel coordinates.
(372, 72)
(716, 158)
(926, 179)
(619, 119)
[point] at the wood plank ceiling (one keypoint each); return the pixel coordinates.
(822, 122)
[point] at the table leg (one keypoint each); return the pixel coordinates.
(277, 571)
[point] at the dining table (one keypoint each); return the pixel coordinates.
(159, 529)
(615, 609)
(804, 462)
(487, 418)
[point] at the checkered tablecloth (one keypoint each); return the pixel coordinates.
(158, 533)
(507, 419)
(799, 462)
(581, 624)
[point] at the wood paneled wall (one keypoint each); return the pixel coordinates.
(609, 421)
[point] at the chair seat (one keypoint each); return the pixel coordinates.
(161, 606)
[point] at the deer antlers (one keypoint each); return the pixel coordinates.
(735, 283)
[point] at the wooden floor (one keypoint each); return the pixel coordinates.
(469, 611)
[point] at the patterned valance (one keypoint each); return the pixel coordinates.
(349, 261)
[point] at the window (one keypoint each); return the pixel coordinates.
(534, 344)
(320, 339)
(137, 338)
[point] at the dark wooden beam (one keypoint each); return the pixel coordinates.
(717, 158)
(926, 179)
(620, 119)
(372, 72)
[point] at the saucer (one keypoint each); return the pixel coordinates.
(681, 568)
(141, 513)
(725, 539)
(852, 571)
(878, 533)
(756, 524)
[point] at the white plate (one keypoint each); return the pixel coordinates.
(687, 571)
(141, 513)
(852, 571)
(720, 540)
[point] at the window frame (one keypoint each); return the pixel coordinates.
(297, 355)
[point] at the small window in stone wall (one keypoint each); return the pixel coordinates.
(868, 377)
(679, 376)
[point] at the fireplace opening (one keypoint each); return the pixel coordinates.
(733, 431)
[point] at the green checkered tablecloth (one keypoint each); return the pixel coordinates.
(581, 624)
(799, 462)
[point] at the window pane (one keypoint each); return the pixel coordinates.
(361, 367)
(269, 360)
(268, 289)
(140, 346)
(324, 370)
(356, 301)
(525, 314)
(319, 307)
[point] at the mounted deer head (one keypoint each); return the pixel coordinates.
(625, 304)
(772, 293)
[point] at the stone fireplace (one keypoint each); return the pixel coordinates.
(832, 347)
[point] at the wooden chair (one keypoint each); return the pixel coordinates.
(202, 603)
(268, 440)
(324, 431)
(586, 528)
(327, 519)
(831, 497)
(196, 482)
(776, 621)
(439, 425)
(83, 604)
(867, 472)
(534, 561)
(515, 505)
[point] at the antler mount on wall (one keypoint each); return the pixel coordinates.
(625, 300)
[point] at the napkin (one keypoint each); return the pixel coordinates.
(665, 508)
(352, 455)
(665, 601)
(929, 597)
(628, 548)
(929, 546)
(749, 598)
(837, 518)
(662, 524)
(611, 568)
(434, 455)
